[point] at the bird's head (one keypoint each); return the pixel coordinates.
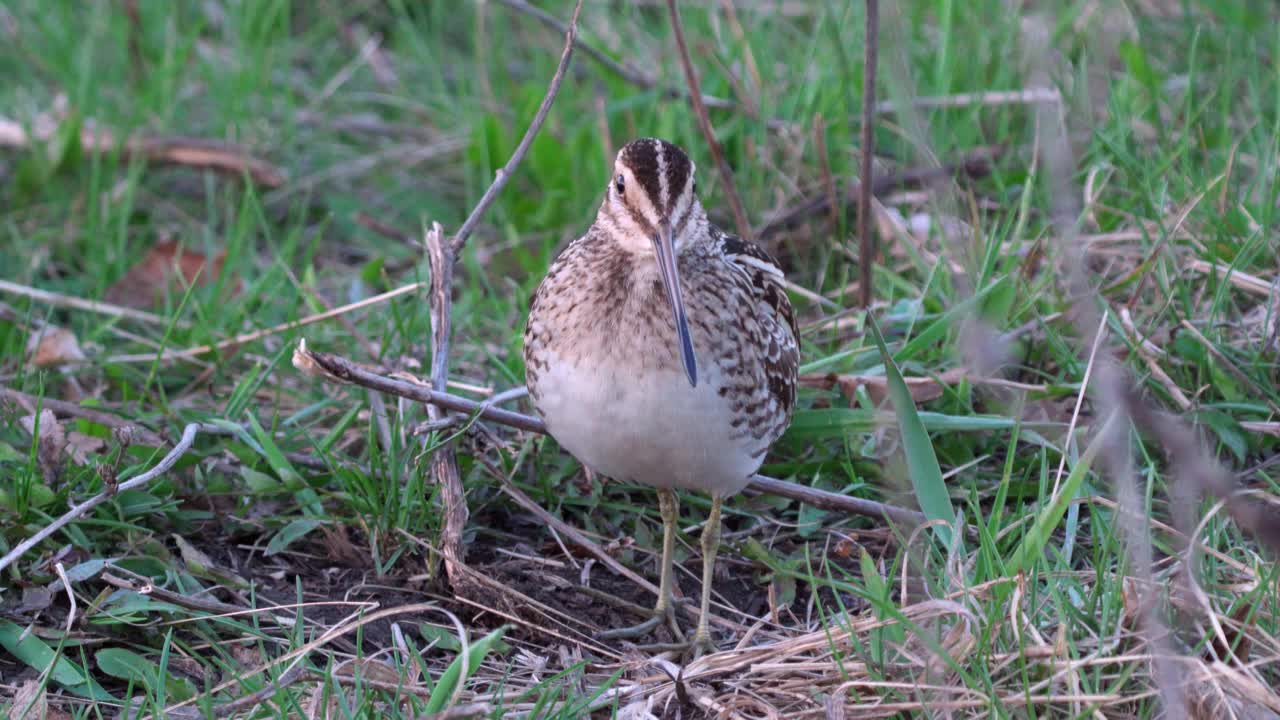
(652, 208)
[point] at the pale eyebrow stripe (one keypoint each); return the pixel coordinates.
(664, 192)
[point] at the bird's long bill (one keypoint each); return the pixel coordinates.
(664, 248)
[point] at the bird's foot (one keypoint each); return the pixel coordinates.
(659, 614)
(688, 649)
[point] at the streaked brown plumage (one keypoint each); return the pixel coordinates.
(662, 350)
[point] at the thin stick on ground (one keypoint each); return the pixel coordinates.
(62, 407)
(259, 334)
(334, 368)
(867, 247)
(704, 124)
(297, 654)
(576, 536)
(1029, 96)
(259, 697)
(168, 461)
(75, 303)
(202, 153)
(123, 579)
(504, 175)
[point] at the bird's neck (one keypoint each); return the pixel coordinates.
(631, 235)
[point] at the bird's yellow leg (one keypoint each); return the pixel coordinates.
(701, 641)
(665, 609)
(710, 546)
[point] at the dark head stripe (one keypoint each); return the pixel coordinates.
(642, 157)
(679, 168)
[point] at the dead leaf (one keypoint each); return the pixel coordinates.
(50, 443)
(35, 599)
(1132, 602)
(1230, 693)
(337, 542)
(321, 703)
(368, 669)
(54, 441)
(29, 702)
(203, 566)
(168, 267)
(51, 346)
(1238, 643)
(952, 229)
(81, 446)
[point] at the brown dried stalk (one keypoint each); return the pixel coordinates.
(704, 124)
(867, 245)
(217, 155)
(444, 464)
(29, 403)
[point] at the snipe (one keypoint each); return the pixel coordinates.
(662, 350)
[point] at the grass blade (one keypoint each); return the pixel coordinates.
(922, 462)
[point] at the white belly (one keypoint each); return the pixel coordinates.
(649, 427)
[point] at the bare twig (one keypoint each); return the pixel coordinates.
(834, 501)
(30, 402)
(258, 334)
(631, 75)
(1030, 96)
(184, 444)
(75, 303)
(294, 656)
(1240, 279)
(500, 181)
(444, 464)
(867, 246)
(217, 155)
(143, 585)
(135, 432)
(975, 164)
(575, 536)
(704, 123)
(338, 369)
(386, 230)
(258, 697)
(442, 254)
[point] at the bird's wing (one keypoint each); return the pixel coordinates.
(780, 338)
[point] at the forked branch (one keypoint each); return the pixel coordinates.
(335, 368)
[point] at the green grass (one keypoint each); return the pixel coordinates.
(298, 499)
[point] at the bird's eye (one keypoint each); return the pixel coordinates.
(619, 184)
